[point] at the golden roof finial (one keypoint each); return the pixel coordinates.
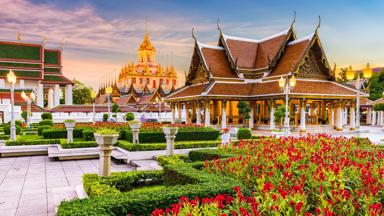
(18, 36)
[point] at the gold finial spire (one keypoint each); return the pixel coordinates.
(18, 36)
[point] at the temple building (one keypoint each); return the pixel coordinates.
(244, 69)
(147, 71)
(38, 68)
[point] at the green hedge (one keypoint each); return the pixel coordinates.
(7, 129)
(119, 182)
(162, 146)
(46, 122)
(151, 137)
(4, 137)
(40, 129)
(33, 142)
(88, 135)
(189, 182)
(61, 133)
(207, 154)
(244, 133)
(79, 144)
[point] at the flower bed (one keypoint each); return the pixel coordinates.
(162, 146)
(316, 175)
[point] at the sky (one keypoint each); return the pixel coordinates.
(101, 36)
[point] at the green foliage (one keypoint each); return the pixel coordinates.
(244, 133)
(88, 134)
(207, 154)
(46, 115)
(376, 86)
(81, 93)
(69, 121)
(378, 107)
(105, 117)
(4, 137)
(115, 108)
(165, 160)
(46, 122)
(79, 144)
(244, 109)
(162, 146)
(33, 142)
(40, 129)
(61, 133)
(118, 182)
(24, 115)
(17, 122)
(279, 115)
(181, 180)
(7, 129)
(129, 116)
(150, 137)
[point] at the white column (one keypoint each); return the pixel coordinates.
(381, 122)
(272, 118)
(40, 95)
(198, 114)
(251, 114)
(181, 109)
(339, 118)
(223, 114)
(21, 84)
(345, 116)
(352, 118)
(369, 116)
(68, 95)
(173, 121)
(50, 98)
(207, 115)
(373, 117)
(302, 116)
(331, 116)
(56, 100)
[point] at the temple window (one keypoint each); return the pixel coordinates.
(167, 81)
(154, 83)
(161, 82)
(141, 80)
(174, 82)
(134, 80)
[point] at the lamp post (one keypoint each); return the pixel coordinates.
(159, 101)
(108, 91)
(11, 77)
(287, 84)
(93, 96)
(29, 99)
(350, 75)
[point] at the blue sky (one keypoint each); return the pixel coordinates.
(100, 36)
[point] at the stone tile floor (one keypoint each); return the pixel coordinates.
(35, 185)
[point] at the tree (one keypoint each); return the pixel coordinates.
(115, 109)
(342, 77)
(279, 115)
(376, 86)
(24, 115)
(81, 93)
(244, 109)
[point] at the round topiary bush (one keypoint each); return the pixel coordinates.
(17, 122)
(46, 122)
(244, 133)
(7, 129)
(105, 117)
(43, 127)
(129, 116)
(46, 115)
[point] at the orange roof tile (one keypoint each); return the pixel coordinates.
(217, 62)
(186, 91)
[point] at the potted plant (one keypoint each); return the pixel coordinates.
(106, 136)
(169, 130)
(134, 124)
(69, 123)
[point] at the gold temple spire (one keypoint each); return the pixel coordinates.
(18, 36)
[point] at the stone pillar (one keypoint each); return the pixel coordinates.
(345, 116)
(170, 136)
(339, 118)
(173, 120)
(223, 114)
(135, 128)
(198, 114)
(369, 116)
(251, 122)
(207, 114)
(68, 95)
(50, 98)
(70, 126)
(40, 95)
(105, 143)
(331, 115)
(180, 109)
(380, 118)
(352, 118)
(56, 97)
(373, 117)
(272, 118)
(302, 116)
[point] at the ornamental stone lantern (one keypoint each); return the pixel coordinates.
(105, 142)
(70, 126)
(135, 128)
(170, 136)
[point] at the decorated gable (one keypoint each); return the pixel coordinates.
(197, 71)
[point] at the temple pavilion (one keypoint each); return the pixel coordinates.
(245, 69)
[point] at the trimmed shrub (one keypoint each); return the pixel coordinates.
(4, 137)
(7, 129)
(40, 129)
(151, 137)
(61, 133)
(88, 134)
(162, 146)
(244, 133)
(81, 144)
(33, 142)
(105, 117)
(46, 116)
(17, 122)
(24, 115)
(129, 116)
(46, 122)
(207, 154)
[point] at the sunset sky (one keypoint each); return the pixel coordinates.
(100, 36)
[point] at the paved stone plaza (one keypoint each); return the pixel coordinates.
(36, 185)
